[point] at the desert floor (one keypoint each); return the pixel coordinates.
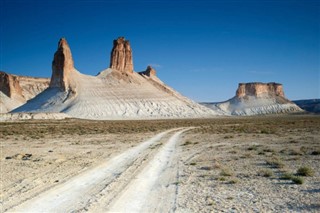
(251, 164)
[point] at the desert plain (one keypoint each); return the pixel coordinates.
(224, 164)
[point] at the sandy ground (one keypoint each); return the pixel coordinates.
(222, 165)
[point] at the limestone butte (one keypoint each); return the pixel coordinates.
(257, 98)
(258, 89)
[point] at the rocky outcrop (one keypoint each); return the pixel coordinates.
(116, 93)
(62, 66)
(9, 85)
(258, 90)
(121, 56)
(149, 72)
(257, 99)
(16, 90)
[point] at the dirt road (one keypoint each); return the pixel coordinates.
(141, 179)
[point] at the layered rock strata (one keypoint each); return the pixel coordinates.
(258, 89)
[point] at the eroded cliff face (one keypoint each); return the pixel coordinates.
(9, 85)
(260, 90)
(62, 66)
(16, 90)
(121, 56)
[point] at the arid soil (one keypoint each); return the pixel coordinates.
(222, 165)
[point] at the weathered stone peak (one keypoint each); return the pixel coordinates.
(149, 72)
(62, 65)
(9, 85)
(121, 56)
(258, 89)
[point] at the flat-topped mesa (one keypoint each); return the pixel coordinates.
(62, 66)
(149, 72)
(121, 56)
(259, 90)
(9, 85)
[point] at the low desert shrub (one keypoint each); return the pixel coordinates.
(226, 172)
(266, 173)
(275, 163)
(297, 180)
(286, 176)
(305, 171)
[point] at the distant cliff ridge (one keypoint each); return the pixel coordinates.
(16, 90)
(311, 105)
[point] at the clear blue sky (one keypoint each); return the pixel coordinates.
(203, 49)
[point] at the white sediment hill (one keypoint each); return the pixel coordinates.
(112, 94)
(257, 99)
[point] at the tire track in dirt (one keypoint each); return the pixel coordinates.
(153, 190)
(75, 193)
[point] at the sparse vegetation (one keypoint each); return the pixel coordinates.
(305, 171)
(212, 158)
(266, 173)
(275, 163)
(286, 176)
(297, 180)
(226, 172)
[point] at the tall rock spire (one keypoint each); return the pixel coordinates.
(62, 65)
(121, 55)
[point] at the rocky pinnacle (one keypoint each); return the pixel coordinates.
(121, 55)
(62, 65)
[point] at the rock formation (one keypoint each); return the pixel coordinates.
(149, 72)
(62, 66)
(257, 99)
(115, 93)
(16, 90)
(121, 56)
(9, 85)
(258, 89)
